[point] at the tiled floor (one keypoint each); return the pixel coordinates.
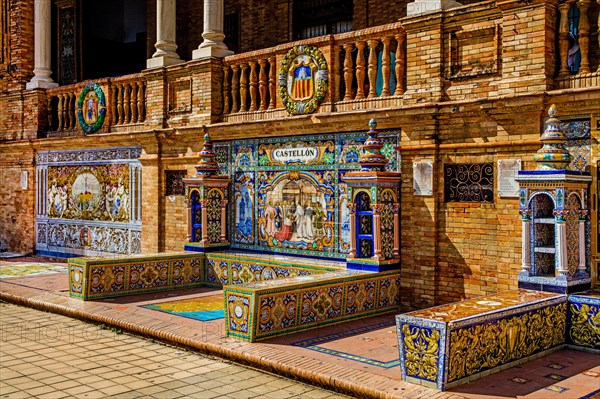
(357, 357)
(44, 355)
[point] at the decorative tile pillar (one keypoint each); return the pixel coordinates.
(165, 36)
(553, 206)
(374, 207)
(213, 45)
(525, 244)
(42, 70)
(207, 194)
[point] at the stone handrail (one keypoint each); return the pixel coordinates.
(250, 79)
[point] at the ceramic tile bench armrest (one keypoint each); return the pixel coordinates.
(267, 309)
(96, 277)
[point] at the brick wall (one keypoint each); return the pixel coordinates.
(17, 212)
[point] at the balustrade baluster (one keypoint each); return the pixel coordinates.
(400, 65)
(360, 70)
(584, 35)
(273, 82)
(563, 35)
(262, 84)
(133, 103)
(253, 86)
(113, 104)
(120, 103)
(61, 107)
(126, 102)
(72, 116)
(348, 70)
(50, 113)
(244, 88)
(235, 89)
(373, 43)
(141, 102)
(226, 86)
(385, 66)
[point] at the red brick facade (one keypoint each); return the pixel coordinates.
(479, 80)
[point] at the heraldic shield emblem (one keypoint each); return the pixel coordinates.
(303, 79)
(91, 108)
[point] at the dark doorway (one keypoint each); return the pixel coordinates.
(114, 37)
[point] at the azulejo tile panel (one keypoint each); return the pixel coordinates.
(288, 196)
(584, 321)
(239, 313)
(295, 304)
(89, 201)
(446, 345)
(95, 278)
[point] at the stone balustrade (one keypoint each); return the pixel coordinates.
(578, 49)
(125, 99)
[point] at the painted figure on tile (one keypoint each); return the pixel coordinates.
(278, 212)
(91, 108)
(270, 214)
(244, 213)
(122, 200)
(318, 220)
(309, 212)
(286, 230)
(300, 222)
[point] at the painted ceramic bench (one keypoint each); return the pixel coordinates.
(230, 268)
(583, 321)
(97, 277)
(449, 345)
(266, 309)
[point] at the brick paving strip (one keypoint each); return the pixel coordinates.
(50, 356)
(323, 374)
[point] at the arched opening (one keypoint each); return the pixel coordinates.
(364, 226)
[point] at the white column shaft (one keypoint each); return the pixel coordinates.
(42, 46)
(561, 250)
(166, 46)
(526, 247)
(213, 45)
(582, 264)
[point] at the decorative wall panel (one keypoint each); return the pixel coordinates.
(584, 320)
(288, 194)
(89, 202)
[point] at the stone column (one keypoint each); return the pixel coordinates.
(582, 270)
(165, 36)
(213, 35)
(525, 242)
(562, 264)
(352, 210)
(42, 78)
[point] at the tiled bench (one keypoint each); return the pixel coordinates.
(449, 345)
(228, 268)
(583, 321)
(96, 277)
(255, 311)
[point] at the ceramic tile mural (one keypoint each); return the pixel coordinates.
(89, 201)
(578, 143)
(288, 193)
